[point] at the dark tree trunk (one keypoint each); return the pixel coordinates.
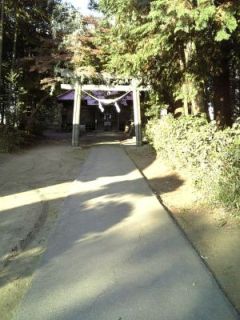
(1, 38)
(222, 97)
(1, 49)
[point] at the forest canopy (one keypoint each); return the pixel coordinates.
(40, 42)
(187, 50)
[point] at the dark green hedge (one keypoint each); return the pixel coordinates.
(211, 155)
(12, 139)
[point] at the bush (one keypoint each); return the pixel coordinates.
(36, 127)
(11, 139)
(211, 155)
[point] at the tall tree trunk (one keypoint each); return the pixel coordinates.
(185, 99)
(222, 96)
(197, 102)
(193, 93)
(12, 86)
(14, 51)
(182, 62)
(1, 39)
(234, 71)
(1, 51)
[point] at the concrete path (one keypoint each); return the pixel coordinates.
(117, 255)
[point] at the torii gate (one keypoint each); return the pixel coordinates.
(120, 88)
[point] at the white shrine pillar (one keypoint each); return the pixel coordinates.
(137, 113)
(76, 114)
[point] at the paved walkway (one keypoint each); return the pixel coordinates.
(117, 255)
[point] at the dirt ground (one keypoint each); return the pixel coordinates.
(214, 232)
(33, 184)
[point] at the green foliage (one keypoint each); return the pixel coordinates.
(176, 46)
(27, 36)
(229, 190)
(10, 139)
(77, 46)
(14, 101)
(228, 23)
(154, 106)
(211, 155)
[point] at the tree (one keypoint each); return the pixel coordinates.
(1, 50)
(174, 45)
(1, 39)
(26, 26)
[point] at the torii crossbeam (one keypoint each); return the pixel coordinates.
(120, 88)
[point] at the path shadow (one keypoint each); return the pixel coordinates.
(95, 138)
(166, 184)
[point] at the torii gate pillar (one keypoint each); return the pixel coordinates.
(76, 115)
(137, 113)
(77, 107)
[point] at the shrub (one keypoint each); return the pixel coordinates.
(11, 139)
(211, 155)
(36, 127)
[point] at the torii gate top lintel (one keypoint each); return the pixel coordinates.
(120, 88)
(97, 87)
